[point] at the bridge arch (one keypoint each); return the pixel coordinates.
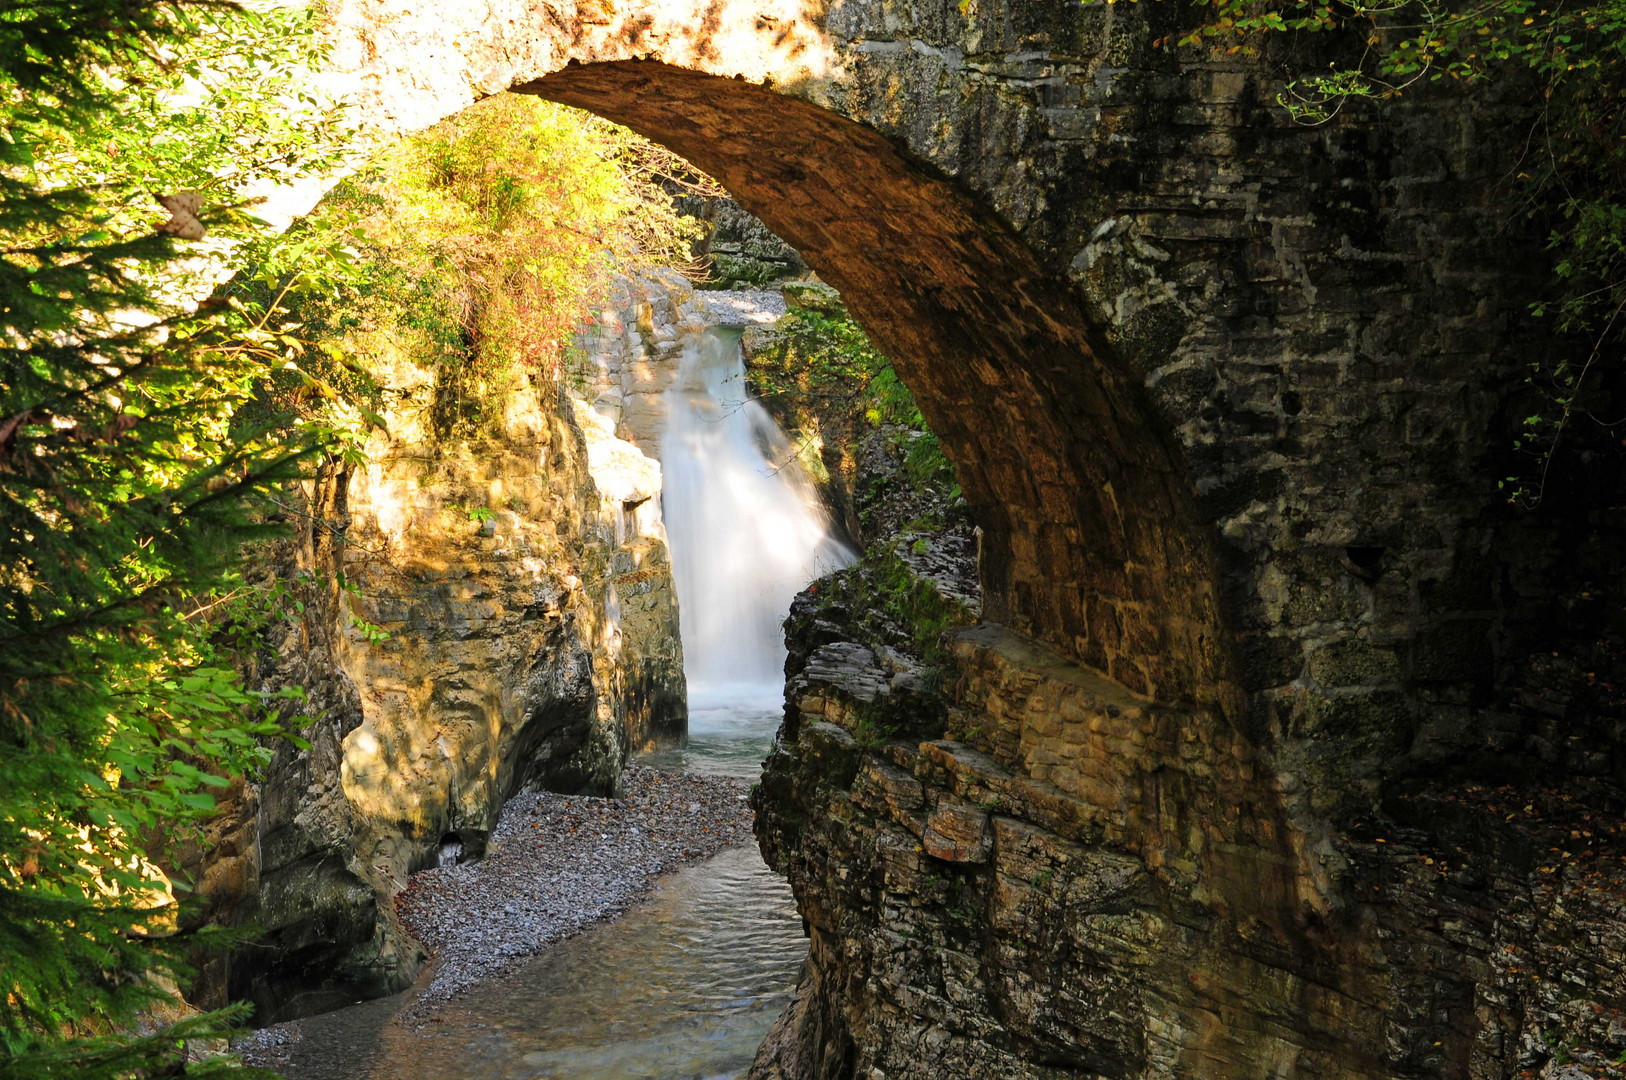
(1092, 539)
(1161, 332)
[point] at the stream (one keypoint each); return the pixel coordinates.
(686, 984)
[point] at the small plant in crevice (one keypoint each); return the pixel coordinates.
(916, 604)
(372, 633)
(886, 605)
(873, 731)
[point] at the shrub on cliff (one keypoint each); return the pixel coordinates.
(828, 385)
(481, 247)
(126, 481)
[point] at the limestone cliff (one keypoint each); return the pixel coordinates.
(522, 580)
(1041, 875)
(631, 360)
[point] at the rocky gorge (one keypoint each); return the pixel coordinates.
(949, 803)
(464, 657)
(1201, 738)
(474, 615)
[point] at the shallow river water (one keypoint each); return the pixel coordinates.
(731, 729)
(683, 986)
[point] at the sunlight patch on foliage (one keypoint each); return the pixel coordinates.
(479, 249)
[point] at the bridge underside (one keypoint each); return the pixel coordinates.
(1277, 364)
(1091, 536)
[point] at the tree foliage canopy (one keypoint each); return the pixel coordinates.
(143, 440)
(127, 480)
(477, 250)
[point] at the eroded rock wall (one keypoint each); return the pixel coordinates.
(522, 578)
(633, 356)
(1038, 874)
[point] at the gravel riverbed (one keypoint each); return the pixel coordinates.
(557, 864)
(554, 866)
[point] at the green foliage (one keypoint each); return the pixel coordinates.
(371, 632)
(873, 731)
(901, 608)
(915, 603)
(1411, 40)
(175, 1052)
(127, 479)
(815, 355)
(1571, 178)
(149, 100)
(476, 250)
(827, 365)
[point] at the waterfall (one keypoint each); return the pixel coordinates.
(745, 528)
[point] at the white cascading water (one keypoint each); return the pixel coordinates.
(746, 533)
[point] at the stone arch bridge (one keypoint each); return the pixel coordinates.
(1223, 393)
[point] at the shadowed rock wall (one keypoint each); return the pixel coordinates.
(1046, 876)
(537, 646)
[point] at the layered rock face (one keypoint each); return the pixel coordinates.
(522, 580)
(1038, 874)
(740, 249)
